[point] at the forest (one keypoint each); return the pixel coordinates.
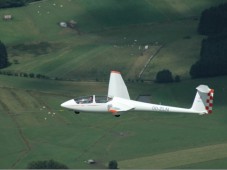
(14, 3)
(213, 54)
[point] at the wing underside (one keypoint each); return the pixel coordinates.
(118, 105)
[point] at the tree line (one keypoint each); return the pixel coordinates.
(14, 3)
(23, 74)
(213, 54)
(3, 56)
(213, 20)
(51, 164)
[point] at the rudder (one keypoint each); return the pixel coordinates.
(203, 102)
(210, 99)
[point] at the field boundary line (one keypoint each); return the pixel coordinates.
(149, 60)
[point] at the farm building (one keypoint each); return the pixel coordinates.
(7, 17)
(72, 24)
(63, 24)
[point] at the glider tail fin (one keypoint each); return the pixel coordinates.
(203, 101)
(117, 87)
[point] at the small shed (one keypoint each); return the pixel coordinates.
(72, 24)
(91, 161)
(7, 17)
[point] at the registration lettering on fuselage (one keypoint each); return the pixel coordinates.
(160, 108)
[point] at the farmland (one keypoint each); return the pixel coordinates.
(35, 127)
(72, 139)
(41, 46)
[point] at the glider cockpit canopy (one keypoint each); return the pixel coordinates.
(92, 99)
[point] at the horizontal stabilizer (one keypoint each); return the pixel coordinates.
(203, 88)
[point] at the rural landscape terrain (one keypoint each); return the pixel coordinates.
(137, 38)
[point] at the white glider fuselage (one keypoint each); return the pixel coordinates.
(118, 101)
(131, 104)
(142, 106)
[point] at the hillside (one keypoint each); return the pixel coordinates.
(112, 32)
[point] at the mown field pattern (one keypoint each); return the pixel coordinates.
(72, 139)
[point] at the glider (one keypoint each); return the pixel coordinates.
(118, 101)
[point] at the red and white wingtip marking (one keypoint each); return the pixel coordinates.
(209, 101)
(117, 72)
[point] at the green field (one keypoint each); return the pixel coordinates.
(136, 139)
(113, 34)
(176, 158)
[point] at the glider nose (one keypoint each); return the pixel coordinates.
(68, 104)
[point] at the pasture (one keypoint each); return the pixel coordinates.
(136, 139)
(108, 39)
(112, 36)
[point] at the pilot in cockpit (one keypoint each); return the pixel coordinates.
(90, 100)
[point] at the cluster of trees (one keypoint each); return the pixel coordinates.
(22, 74)
(135, 80)
(5, 63)
(165, 76)
(213, 54)
(50, 164)
(113, 164)
(14, 3)
(213, 61)
(3, 56)
(213, 20)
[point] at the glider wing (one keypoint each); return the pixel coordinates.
(117, 87)
(119, 105)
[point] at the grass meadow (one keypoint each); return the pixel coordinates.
(113, 33)
(136, 139)
(112, 36)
